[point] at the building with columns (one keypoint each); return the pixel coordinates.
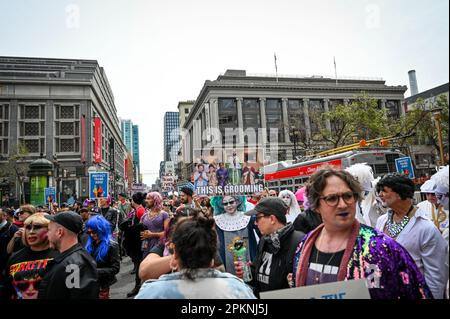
(49, 105)
(271, 107)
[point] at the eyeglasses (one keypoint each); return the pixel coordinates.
(260, 216)
(333, 199)
(231, 202)
(36, 227)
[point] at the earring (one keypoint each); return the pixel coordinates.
(173, 267)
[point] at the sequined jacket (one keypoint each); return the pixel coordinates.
(389, 269)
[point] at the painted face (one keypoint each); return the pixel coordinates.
(36, 234)
(442, 199)
(54, 235)
(229, 204)
(338, 214)
(287, 199)
(388, 196)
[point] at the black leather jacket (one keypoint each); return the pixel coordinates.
(71, 275)
(109, 267)
(113, 216)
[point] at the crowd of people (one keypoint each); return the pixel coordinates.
(342, 225)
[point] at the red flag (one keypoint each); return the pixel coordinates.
(97, 140)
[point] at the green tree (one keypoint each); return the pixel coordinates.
(360, 119)
(16, 168)
(421, 122)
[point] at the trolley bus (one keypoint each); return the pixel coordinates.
(291, 176)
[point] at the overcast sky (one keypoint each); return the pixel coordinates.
(159, 52)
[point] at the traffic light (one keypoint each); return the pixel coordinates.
(363, 143)
(384, 143)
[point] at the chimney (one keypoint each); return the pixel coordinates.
(413, 82)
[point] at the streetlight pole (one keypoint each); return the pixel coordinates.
(437, 118)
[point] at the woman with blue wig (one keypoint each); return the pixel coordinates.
(105, 251)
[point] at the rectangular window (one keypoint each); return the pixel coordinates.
(274, 117)
(315, 113)
(227, 117)
(296, 118)
(251, 118)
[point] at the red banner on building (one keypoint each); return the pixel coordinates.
(97, 140)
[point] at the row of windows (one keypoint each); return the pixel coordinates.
(274, 115)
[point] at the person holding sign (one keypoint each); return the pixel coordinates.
(343, 249)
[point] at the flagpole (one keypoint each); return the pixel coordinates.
(276, 68)
(335, 71)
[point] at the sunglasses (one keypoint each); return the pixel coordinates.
(333, 199)
(35, 227)
(228, 203)
(260, 216)
(23, 285)
(91, 232)
(23, 212)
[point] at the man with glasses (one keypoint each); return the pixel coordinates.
(272, 267)
(15, 244)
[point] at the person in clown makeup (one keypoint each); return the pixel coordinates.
(26, 267)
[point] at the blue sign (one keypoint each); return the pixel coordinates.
(50, 195)
(404, 166)
(98, 184)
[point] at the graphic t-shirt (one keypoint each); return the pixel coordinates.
(323, 267)
(24, 271)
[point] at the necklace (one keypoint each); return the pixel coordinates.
(393, 228)
(318, 277)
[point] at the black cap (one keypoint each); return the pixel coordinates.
(70, 220)
(270, 206)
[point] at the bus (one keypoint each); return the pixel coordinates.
(292, 176)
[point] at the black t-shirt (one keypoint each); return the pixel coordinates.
(323, 267)
(24, 272)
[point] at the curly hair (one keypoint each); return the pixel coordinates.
(399, 184)
(102, 227)
(195, 244)
(318, 181)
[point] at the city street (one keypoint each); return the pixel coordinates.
(125, 281)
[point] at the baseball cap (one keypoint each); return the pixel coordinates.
(270, 206)
(70, 220)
